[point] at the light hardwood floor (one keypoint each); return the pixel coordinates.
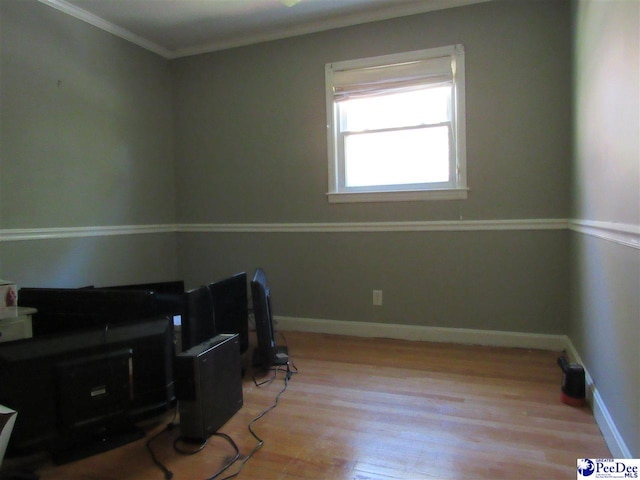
(366, 409)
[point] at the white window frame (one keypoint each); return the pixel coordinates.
(457, 189)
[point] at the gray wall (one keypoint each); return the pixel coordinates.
(97, 132)
(99, 260)
(605, 320)
(251, 121)
(86, 139)
(251, 148)
(444, 279)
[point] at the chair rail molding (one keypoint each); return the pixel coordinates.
(18, 234)
(621, 233)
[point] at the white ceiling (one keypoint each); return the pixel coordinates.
(175, 28)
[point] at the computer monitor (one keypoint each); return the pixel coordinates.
(198, 322)
(267, 353)
(220, 307)
(230, 307)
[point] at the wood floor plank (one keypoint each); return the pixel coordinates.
(380, 409)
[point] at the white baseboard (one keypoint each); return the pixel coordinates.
(426, 334)
(612, 437)
(610, 432)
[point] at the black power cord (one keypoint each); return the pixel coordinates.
(168, 474)
(289, 374)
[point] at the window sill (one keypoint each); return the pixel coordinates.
(398, 196)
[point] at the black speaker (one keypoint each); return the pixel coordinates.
(208, 386)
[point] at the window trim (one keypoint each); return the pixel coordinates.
(337, 193)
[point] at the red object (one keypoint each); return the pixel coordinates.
(574, 402)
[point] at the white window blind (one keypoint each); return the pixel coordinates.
(396, 126)
(391, 78)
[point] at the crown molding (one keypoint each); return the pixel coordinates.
(342, 21)
(112, 28)
(245, 39)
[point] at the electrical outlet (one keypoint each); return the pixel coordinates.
(377, 297)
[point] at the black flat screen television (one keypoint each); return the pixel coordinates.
(172, 286)
(168, 297)
(68, 309)
(198, 322)
(82, 392)
(267, 353)
(220, 307)
(231, 307)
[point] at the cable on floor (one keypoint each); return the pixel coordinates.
(289, 374)
(168, 474)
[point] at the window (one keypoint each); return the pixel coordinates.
(396, 127)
